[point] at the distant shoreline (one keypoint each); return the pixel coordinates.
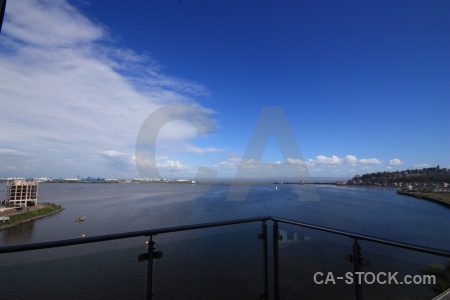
(275, 180)
(203, 182)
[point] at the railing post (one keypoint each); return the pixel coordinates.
(357, 292)
(150, 249)
(263, 237)
(276, 283)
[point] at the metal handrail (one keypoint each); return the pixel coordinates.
(150, 255)
(116, 236)
(123, 235)
(357, 236)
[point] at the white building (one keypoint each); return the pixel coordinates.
(20, 192)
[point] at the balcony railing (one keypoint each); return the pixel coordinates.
(238, 259)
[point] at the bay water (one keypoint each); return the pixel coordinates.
(114, 208)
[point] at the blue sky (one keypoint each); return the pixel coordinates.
(365, 85)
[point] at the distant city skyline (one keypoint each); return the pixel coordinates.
(364, 86)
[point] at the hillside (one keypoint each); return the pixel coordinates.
(426, 178)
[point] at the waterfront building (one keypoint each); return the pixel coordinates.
(21, 193)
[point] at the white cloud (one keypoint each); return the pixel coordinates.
(68, 92)
(112, 153)
(198, 150)
(351, 160)
(296, 167)
(171, 165)
(234, 163)
(54, 23)
(293, 161)
(395, 161)
(335, 160)
(370, 161)
(251, 168)
(230, 163)
(120, 162)
(323, 160)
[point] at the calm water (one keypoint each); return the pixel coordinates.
(189, 267)
(112, 208)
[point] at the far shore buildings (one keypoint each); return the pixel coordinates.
(21, 192)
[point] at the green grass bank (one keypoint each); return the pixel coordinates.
(42, 210)
(438, 197)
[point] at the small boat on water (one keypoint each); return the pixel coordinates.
(80, 218)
